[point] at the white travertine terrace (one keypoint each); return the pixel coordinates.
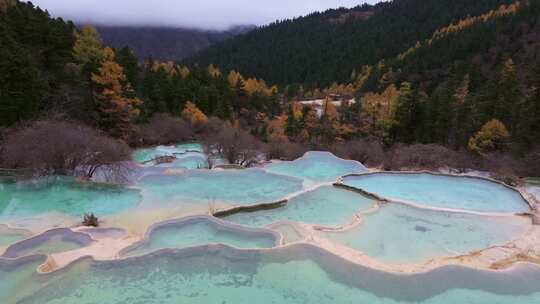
(130, 229)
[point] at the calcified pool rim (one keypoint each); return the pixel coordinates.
(353, 255)
(398, 286)
(198, 219)
(68, 235)
(531, 205)
(276, 167)
(473, 261)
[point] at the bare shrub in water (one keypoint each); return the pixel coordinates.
(90, 220)
(57, 147)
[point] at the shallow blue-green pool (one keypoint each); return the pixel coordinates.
(201, 259)
(294, 275)
(402, 234)
(317, 166)
(188, 155)
(324, 206)
(147, 154)
(52, 241)
(200, 231)
(237, 187)
(64, 195)
(10, 236)
(442, 191)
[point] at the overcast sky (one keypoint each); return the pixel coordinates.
(210, 14)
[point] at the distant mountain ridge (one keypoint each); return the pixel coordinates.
(325, 47)
(165, 43)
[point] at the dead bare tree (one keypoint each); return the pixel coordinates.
(49, 147)
(163, 129)
(235, 145)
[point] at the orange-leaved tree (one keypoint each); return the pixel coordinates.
(114, 97)
(491, 137)
(193, 115)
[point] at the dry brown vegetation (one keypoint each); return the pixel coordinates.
(162, 129)
(57, 147)
(234, 144)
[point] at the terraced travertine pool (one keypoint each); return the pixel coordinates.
(325, 206)
(317, 167)
(300, 274)
(287, 235)
(440, 191)
(402, 234)
(194, 232)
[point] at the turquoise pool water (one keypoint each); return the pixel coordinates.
(238, 187)
(297, 275)
(64, 195)
(197, 232)
(188, 161)
(10, 236)
(52, 241)
(289, 233)
(172, 267)
(402, 234)
(147, 154)
(317, 166)
(325, 206)
(15, 275)
(442, 191)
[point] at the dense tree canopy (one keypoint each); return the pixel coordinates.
(462, 74)
(322, 48)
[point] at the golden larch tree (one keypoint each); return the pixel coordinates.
(234, 78)
(275, 129)
(214, 71)
(115, 109)
(88, 47)
(491, 137)
(193, 115)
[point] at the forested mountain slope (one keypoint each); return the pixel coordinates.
(476, 69)
(162, 43)
(464, 74)
(321, 48)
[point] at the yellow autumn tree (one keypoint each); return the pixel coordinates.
(330, 128)
(193, 115)
(252, 86)
(168, 67)
(462, 24)
(491, 137)
(114, 107)
(88, 47)
(275, 130)
(184, 72)
(296, 109)
(234, 78)
(378, 109)
(311, 124)
(258, 86)
(214, 71)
